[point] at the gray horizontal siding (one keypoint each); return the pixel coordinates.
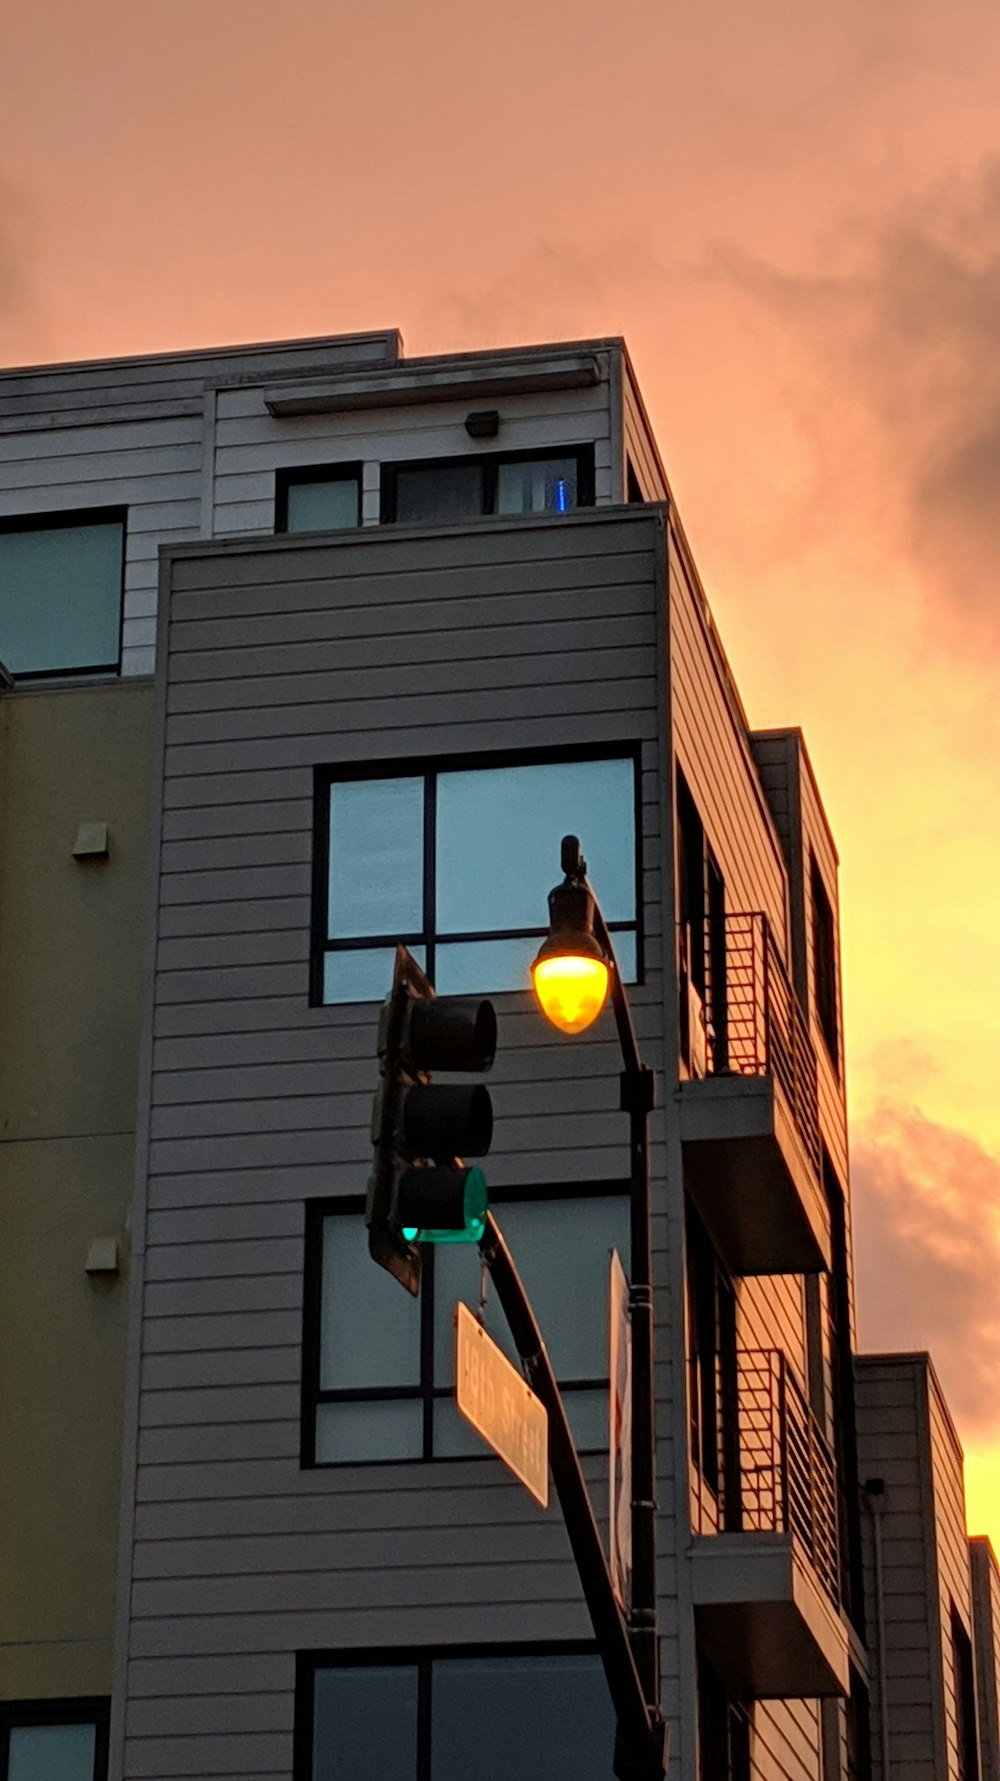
(257, 1102)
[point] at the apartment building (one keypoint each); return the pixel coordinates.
(376, 632)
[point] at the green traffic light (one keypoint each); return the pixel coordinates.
(472, 1210)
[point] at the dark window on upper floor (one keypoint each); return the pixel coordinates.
(966, 1732)
(634, 494)
(858, 1730)
(317, 498)
(701, 907)
(537, 1712)
(60, 1740)
(712, 1368)
(469, 488)
(824, 937)
(458, 861)
(61, 582)
(378, 1366)
(723, 1729)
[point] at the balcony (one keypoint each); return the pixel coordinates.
(766, 1591)
(749, 1118)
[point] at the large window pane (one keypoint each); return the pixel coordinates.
(561, 1248)
(444, 492)
(369, 1429)
(51, 1753)
(365, 1723)
(498, 836)
(364, 974)
(321, 506)
(484, 967)
(376, 857)
(542, 485)
(60, 597)
(547, 1718)
(369, 1327)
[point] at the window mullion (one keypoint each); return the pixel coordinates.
(430, 872)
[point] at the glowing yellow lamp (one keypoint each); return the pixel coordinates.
(571, 989)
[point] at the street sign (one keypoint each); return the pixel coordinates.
(620, 1438)
(500, 1404)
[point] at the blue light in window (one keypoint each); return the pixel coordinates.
(562, 496)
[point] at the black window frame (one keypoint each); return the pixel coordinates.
(422, 1658)
(490, 463)
(293, 476)
(92, 1710)
(430, 768)
(826, 997)
(425, 1392)
(64, 520)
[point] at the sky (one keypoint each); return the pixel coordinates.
(792, 213)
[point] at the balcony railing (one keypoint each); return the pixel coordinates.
(787, 1476)
(756, 1021)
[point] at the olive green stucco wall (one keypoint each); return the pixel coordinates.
(70, 966)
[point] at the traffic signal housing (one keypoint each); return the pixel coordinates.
(420, 1189)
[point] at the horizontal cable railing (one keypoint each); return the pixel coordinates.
(756, 1022)
(787, 1478)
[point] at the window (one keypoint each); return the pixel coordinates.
(378, 1366)
(824, 964)
(318, 498)
(723, 1729)
(712, 1391)
(458, 863)
(540, 1712)
(963, 1677)
(701, 904)
(54, 1740)
(468, 488)
(61, 579)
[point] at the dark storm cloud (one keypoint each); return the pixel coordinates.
(927, 1255)
(893, 370)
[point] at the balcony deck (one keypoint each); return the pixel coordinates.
(750, 1123)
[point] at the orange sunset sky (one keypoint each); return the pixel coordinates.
(792, 212)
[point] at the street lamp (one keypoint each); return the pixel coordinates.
(572, 974)
(572, 970)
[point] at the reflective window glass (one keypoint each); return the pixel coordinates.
(376, 857)
(51, 1753)
(498, 836)
(369, 1429)
(374, 1338)
(542, 485)
(440, 492)
(530, 1714)
(474, 914)
(545, 1717)
(364, 974)
(365, 1723)
(369, 1327)
(313, 506)
(61, 596)
(562, 1248)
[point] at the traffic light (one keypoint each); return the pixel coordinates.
(420, 1190)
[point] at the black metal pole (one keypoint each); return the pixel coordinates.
(640, 1743)
(637, 1089)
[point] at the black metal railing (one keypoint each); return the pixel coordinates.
(756, 1022)
(787, 1476)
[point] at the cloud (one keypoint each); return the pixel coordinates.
(927, 1255)
(19, 304)
(890, 364)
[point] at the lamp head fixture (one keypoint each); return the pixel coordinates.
(571, 972)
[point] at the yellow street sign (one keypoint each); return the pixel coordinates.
(500, 1405)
